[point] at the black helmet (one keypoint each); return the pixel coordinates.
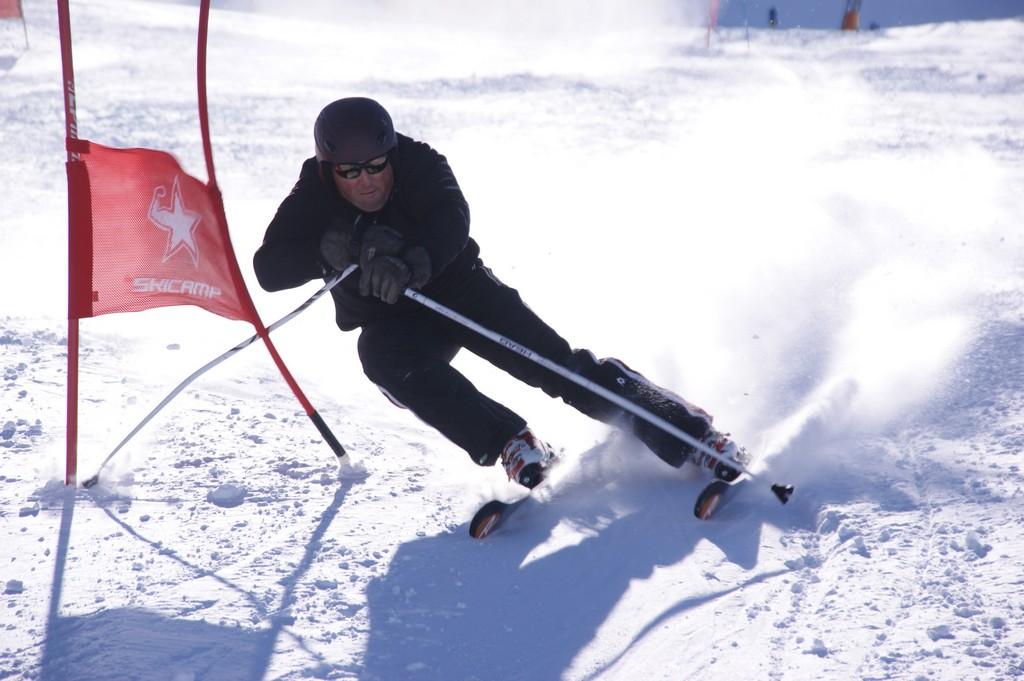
(353, 130)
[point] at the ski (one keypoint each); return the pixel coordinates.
(718, 491)
(725, 485)
(713, 495)
(492, 515)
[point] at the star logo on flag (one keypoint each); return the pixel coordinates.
(178, 221)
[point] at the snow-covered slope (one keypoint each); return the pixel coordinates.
(815, 236)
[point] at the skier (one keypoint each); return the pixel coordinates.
(391, 204)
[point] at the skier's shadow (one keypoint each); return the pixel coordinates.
(450, 608)
(512, 608)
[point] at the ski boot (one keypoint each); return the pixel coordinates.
(728, 449)
(526, 459)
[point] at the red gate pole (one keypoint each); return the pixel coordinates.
(71, 124)
(236, 274)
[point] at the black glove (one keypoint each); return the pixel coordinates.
(386, 277)
(418, 260)
(383, 274)
(379, 240)
(335, 250)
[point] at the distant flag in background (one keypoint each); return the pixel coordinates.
(851, 16)
(712, 19)
(11, 9)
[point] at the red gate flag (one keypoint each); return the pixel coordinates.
(10, 9)
(145, 234)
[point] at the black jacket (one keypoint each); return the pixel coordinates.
(426, 206)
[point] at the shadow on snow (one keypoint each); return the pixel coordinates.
(127, 643)
(508, 608)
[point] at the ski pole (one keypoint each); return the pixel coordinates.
(782, 492)
(331, 283)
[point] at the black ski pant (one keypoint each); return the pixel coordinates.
(408, 355)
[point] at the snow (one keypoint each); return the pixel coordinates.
(226, 496)
(814, 236)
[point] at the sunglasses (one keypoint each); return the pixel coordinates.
(350, 171)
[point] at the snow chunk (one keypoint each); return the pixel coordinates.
(940, 632)
(860, 548)
(294, 470)
(14, 586)
(320, 671)
(818, 649)
(32, 510)
(975, 544)
(829, 522)
(351, 470)
(227, 496)
(966, 612)
(847, 533)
